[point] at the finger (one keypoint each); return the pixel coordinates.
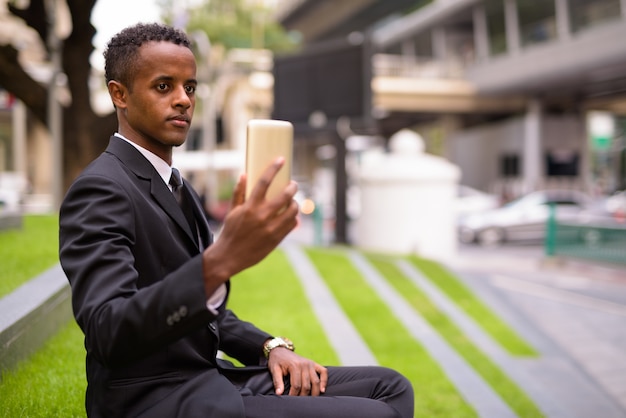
(285, 198)
(296, 382)
(286, 208)
(289, 192)
(283, 218)
(306, 383)
(239, 195)
(323, 374)
(315, 382)
(263, 183)
(277, 378)
(287, 223)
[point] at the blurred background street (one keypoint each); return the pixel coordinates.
(572, 311)
(574, 308)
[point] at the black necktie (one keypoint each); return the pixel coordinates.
(176, 181)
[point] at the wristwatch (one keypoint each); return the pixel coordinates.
(277, 342)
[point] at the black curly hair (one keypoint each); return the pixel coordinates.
(121, 51)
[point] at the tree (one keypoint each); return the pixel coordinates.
(85, 133)
(233, 24)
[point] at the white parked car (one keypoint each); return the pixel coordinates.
(522, 219)
(470, 200)
(9, 201)
(616, 204)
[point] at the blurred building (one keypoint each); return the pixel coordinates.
(26, 150)
(509, 90)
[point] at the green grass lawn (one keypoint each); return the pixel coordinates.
(467, 301)
(390, 342)
(270, 295)
(49, 384)
(29, 251)
(499, 381)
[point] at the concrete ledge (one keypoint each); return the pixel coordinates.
(32, 314)
(10, 221)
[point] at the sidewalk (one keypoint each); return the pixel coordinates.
(573, 313)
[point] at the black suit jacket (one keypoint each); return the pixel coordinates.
(138, 295)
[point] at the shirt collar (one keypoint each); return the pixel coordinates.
(164, 169)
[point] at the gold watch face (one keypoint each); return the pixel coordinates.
(288, 342)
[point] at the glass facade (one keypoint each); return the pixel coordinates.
(496, 28)
(537, 21)
(589, 13)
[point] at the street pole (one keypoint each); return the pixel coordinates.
(341, 185)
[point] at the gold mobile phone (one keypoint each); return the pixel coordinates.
(266, 140)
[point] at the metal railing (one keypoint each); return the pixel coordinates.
(602, 240)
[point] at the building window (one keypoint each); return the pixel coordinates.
(509, 165)
(537, 21)
(194, 140)
(494, 10)
(561, 163)
(589, 13)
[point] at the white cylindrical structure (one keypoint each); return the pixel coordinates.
(408, 201)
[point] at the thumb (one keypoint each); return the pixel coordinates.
(239, 194)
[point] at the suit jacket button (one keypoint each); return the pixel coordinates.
(170, 320)
(176, 317)
(182, 311)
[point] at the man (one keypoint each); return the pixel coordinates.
(149, 286)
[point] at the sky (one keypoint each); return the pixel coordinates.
(111, 16)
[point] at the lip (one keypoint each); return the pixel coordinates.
(180, 120)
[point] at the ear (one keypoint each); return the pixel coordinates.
(118, 93)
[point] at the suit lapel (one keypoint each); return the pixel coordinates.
(167, 201)
(159, 191)
(198, 211)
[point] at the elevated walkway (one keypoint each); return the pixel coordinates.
(437, 95)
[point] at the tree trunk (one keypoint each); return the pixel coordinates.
(85, 134)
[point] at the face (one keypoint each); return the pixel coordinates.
(155, 112)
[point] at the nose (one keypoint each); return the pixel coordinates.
(182, 98)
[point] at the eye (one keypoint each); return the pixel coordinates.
(162, 86)
(190, 89)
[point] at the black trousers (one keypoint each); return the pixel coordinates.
(359, 392)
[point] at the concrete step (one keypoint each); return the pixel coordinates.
(31, 314)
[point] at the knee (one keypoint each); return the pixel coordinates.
(399, 393)
(396, 379)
